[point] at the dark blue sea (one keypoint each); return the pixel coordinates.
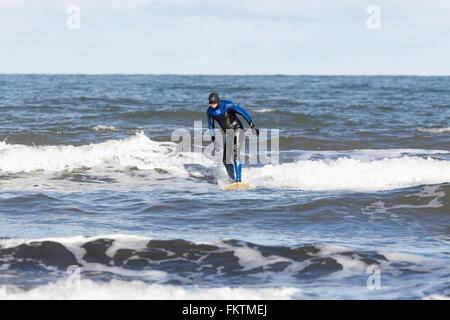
(97, 200)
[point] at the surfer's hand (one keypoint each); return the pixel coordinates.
(254, 129)
(213, 139)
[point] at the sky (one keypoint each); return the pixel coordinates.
(346, 37)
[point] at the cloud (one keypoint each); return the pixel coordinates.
(117, 5)
(252, 7)
(225, 36)
(14, 23)
(307, 9)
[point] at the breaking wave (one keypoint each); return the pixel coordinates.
(351, 174)
(349, 171)
(128, 266)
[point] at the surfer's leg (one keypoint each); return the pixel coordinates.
(238, 139)
(228, 155)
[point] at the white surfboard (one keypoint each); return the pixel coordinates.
(237, 186)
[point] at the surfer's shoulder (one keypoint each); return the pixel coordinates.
(226, 103)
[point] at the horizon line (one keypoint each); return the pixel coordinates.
(226, 74)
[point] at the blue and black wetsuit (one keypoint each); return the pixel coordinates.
(226, 116)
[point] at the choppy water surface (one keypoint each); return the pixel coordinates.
(89, 177)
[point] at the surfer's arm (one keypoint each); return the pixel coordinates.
(211, 126)
(241, 111)
(246, 116)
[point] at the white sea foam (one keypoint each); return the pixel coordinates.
(437, 297)
(264, 110)
(101, 127)
(136, 290)
(350, 174)
(368, 154)
(279, 285)
(251, 258)
(135, 151)
(434, 130)
(359, 170)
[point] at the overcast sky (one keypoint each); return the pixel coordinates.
(225, 37)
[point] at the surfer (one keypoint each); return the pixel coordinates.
(225, 113)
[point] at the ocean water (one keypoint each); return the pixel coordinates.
(97, 201)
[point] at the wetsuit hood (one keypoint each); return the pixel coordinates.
(214, 98)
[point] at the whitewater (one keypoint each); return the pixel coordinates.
(138, 151)
(98, 202)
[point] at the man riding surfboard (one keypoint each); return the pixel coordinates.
(225, 113)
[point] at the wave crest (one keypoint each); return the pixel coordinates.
(350, 174)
